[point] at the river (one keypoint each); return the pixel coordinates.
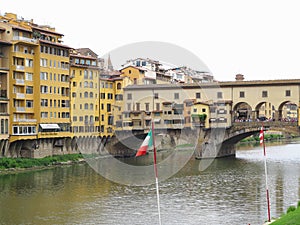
(230, 191)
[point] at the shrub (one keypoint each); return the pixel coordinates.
(291, 209)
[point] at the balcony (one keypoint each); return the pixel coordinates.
(25, 120)
(20, 109)
(20, 96)
(19, 67)
(25, 39)
(20, 81)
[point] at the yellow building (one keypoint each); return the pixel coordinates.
(84, 92)
(36, 80)
(112, 83)
(200, 115)
(5, 47)
(135, 74)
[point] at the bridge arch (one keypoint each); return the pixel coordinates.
(292, 112)
(242, 111)
(266, 109)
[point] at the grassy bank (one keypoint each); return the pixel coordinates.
(268, 137)
(22, 163)
(292, 217)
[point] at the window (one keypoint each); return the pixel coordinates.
(265, 94)
(157, 106)
(147, 106)
(119, 97)
(155, 95)
(288, 93)
(44, 102)
(129, 96)
(176, 95)
(242, 94)
(198, 95)
(138, 106)
(29, 103)
(29, 90)
(119, 86)
(28, 76)
(85, 74)
(219, 95)
(108, 107)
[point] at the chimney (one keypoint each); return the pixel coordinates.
(239, 77)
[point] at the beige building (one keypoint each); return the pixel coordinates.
(228, 102)
(172, 107)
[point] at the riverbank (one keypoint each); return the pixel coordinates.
(292, 217)
(14, 165)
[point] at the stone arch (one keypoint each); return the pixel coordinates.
(242, 111)
(288, 110)
(265, 110)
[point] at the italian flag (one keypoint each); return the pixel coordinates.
(146, 143)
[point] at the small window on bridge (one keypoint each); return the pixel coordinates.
(288, 93)
(242, 94)
(264, 94)
(220, 95)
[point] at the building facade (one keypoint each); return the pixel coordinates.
(85, 88)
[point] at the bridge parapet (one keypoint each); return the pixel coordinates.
(267, 124)
(287, 127)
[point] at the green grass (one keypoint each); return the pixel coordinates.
(292, 217)
(9, 163)
(268, 137)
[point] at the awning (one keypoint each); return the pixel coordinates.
(156, 120)
(49, 126)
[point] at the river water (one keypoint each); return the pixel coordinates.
(230, 191)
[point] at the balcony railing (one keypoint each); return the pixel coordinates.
(20, 109)
(19, 67)
(20, 95)
(25, 120)
(20, 38)
(20, 81)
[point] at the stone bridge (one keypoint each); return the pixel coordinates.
(208, 143)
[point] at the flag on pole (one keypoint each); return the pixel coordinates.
(148, 142)
(261, 136)
(261, 141)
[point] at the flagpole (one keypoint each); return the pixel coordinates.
(156, 173)
(262, 140)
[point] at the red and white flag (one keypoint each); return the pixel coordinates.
(148, 142)
(261, 136)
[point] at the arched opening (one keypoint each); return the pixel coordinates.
(242, 112)
(288, 111)
(265, 111)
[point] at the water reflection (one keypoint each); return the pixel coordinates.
(229, 191)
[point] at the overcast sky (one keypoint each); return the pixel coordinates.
(257, 38)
